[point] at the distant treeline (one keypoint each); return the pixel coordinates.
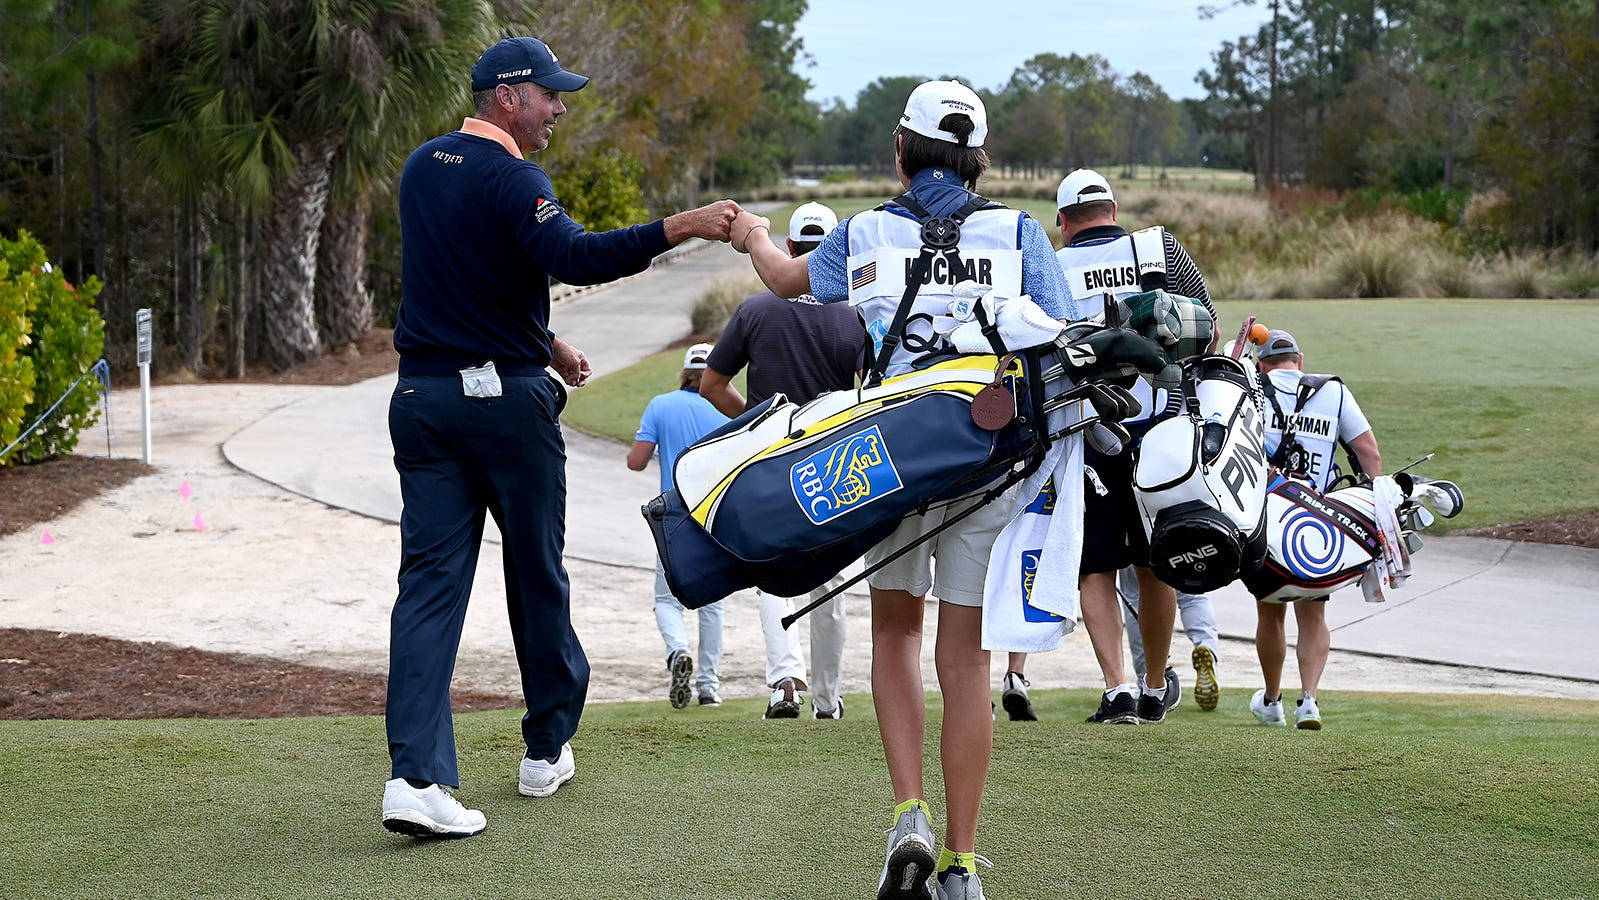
(1054, 114)
(231, 165)
(1476, 109)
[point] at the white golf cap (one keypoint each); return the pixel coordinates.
(1082, 186)
(803, 225)
(933, 100)
(696, 356)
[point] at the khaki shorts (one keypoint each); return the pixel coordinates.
(962, 552)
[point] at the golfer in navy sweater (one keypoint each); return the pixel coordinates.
(474, 422)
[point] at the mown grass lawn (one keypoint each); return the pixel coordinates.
(1402, 795)
(1503, 391)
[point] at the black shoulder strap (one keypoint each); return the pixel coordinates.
(1270, 390)
(939, 234)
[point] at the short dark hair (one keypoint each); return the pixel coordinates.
(918, 152)
(803, 247)
(483, 101)
(1087, 212)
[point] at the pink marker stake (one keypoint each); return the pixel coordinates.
(185, 491)
(199, 523)
(47, 537)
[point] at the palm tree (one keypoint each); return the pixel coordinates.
(280, 89)
(414, 85)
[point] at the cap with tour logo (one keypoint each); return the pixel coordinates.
(811, 222)
(523, 59)
(933, 100)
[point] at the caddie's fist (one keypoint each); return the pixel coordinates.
(743, 226)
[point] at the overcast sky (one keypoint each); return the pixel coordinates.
(851, 42)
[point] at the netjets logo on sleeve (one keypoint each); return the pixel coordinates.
(845, 475)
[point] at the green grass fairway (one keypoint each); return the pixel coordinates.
(1511, 414)
(1402, 795)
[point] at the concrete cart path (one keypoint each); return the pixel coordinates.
(1479, 602)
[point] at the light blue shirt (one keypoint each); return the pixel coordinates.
(941, 194)
(672, 422)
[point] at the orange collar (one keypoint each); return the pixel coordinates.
(493, 132)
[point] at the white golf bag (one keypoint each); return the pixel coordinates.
(1200, 480)
(1318, 543)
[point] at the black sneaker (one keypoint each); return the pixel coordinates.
(1120, 709)
(1018, 704)
(1152, 709)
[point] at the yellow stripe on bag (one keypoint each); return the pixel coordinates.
(967, 388)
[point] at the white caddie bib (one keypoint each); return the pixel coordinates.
(882, 246)
(1116, 267)
(1315, 426)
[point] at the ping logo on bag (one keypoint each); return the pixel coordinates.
(1030, 612)
(844, 476)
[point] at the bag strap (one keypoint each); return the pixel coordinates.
(939, 234)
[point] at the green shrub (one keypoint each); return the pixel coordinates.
(1370, 265)
(67, 337)
(16, 366)
(601, 190)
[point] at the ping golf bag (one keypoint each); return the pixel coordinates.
(785, 496)
(1319, 543)
(1200, 479)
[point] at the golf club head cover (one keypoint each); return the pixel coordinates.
(1092, 351)
(1182, 325)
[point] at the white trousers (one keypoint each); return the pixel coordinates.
(784, 656)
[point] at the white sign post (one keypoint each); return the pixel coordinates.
(142, 319)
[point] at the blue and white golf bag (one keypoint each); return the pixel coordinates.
(785, 496)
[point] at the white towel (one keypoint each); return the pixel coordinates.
(1391, 568)
(1030, 595)
(1021, 324)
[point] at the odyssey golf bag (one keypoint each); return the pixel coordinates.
(1200, 479)
(1319, 543)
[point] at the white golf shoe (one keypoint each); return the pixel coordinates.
(1268, 713)
(541, 778)
(1307, 714)
(427, 812)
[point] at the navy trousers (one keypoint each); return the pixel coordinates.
(460, 457)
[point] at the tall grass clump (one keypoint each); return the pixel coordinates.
(712, 310)
(1521, 276)
(1370, 262)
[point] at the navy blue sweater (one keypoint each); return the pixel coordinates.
(481, 233)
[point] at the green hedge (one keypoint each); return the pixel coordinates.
(50, 336)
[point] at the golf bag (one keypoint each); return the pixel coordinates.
(1319, 543)
(1200, 480)
(784, 497)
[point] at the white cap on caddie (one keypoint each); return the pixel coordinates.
(695, 356)
(933, 100)
(1082, 186)
(811, 216)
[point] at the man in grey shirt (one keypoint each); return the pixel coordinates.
(801, 349)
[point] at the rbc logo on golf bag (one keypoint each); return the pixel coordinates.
(844, 476)
(1030, 612)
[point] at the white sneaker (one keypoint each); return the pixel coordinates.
(1307, 714)
(427, 812)
(1268, 713)
(538, 778)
